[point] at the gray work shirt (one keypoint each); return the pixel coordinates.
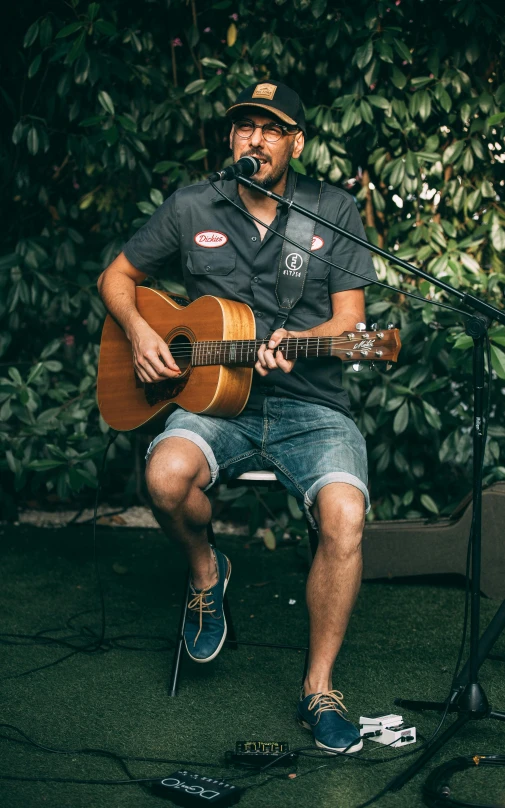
(221, 254)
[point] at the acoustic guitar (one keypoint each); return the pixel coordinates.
(214, 344)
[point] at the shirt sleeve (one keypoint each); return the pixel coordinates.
(347, 253)
(156, 244)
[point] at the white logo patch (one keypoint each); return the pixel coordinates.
(317, 243)
(210, 238)
(294, 261)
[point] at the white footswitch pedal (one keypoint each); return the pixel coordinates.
(387, 729)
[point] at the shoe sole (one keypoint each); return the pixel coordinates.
(216, 652)
(347, 750)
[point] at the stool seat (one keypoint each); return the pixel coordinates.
(261, 476)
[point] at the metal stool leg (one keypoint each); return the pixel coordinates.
(314, 541)
(174, 680)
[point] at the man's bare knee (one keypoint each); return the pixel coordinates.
(173, 468)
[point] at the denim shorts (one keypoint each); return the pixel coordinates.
(306, 445)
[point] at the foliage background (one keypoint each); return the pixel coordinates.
(110, 107)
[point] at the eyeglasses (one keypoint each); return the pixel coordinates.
(272, 132)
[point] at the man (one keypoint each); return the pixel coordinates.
(297, 418)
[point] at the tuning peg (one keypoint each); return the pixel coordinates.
(374, 327)
(360, 327)
(372, 365)
(357, 366)
(389, 366)
(390, 326)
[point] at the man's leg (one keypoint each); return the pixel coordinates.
(334, 578)
(176, 474)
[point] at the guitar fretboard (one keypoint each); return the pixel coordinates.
(245, 352)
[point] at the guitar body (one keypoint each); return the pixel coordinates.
(126, 403)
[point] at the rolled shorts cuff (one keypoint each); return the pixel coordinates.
(196, 439)
(333, 477)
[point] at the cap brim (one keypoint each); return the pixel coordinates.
(277, 112)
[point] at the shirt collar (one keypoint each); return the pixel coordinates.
(230, 188)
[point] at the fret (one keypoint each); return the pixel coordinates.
(317, 348)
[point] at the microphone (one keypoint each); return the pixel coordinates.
(247, 166)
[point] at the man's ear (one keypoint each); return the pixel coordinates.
(299, 144)
(231, 138)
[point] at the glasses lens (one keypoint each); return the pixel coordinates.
(244, 128)
(271, 132)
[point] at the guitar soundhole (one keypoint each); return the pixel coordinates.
(180, 348)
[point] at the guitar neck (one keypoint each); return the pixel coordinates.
(244, 353)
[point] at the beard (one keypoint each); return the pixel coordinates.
(273, 177)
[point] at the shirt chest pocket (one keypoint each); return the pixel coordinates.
(210, 272)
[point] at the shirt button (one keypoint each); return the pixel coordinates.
(259, 314)
(254, 238)
(207, 269)
(256, 280)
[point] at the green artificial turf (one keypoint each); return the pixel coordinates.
(402, 641)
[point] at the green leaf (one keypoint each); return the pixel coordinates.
(269, 539)
(165, 165)
(452, 152)
(195, 86)
(498, 361)
(69, 29)
(402, 50)
(77, 48)
(46, 465)
(198, 155)
(378, 101)
(146, 207)
(500, 116)
(31, 35)
(294, 509)
(401, 419)
(156, 197)
(398, 78)
(363, 54)
(32, 70)
(93, 10)
(32, 140)
(429, 503)
(208, 62)
(297, 165)
(106, 102)
(106, 28)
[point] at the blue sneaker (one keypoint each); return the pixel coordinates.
(205, 629)
(322, 713)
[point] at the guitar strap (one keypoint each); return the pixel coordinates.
(293, 264)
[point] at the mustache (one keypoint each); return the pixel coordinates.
(257, 154)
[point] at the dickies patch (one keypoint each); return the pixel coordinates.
(210, 238)
(317, 243)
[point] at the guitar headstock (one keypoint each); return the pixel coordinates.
(364, 344)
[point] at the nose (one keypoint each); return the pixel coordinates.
(257, 137)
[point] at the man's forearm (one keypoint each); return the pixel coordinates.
(118, 293)
(333, 327)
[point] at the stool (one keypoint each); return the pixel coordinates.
(261, 478)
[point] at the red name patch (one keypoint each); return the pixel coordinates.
(317, 243)
(210, 238)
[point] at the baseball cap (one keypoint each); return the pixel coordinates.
(275, 97)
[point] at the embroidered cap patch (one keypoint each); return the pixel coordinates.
(264, 91)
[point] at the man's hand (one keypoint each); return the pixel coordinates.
(152, 360)
(268, 361)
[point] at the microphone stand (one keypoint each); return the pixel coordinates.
(467, 697)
